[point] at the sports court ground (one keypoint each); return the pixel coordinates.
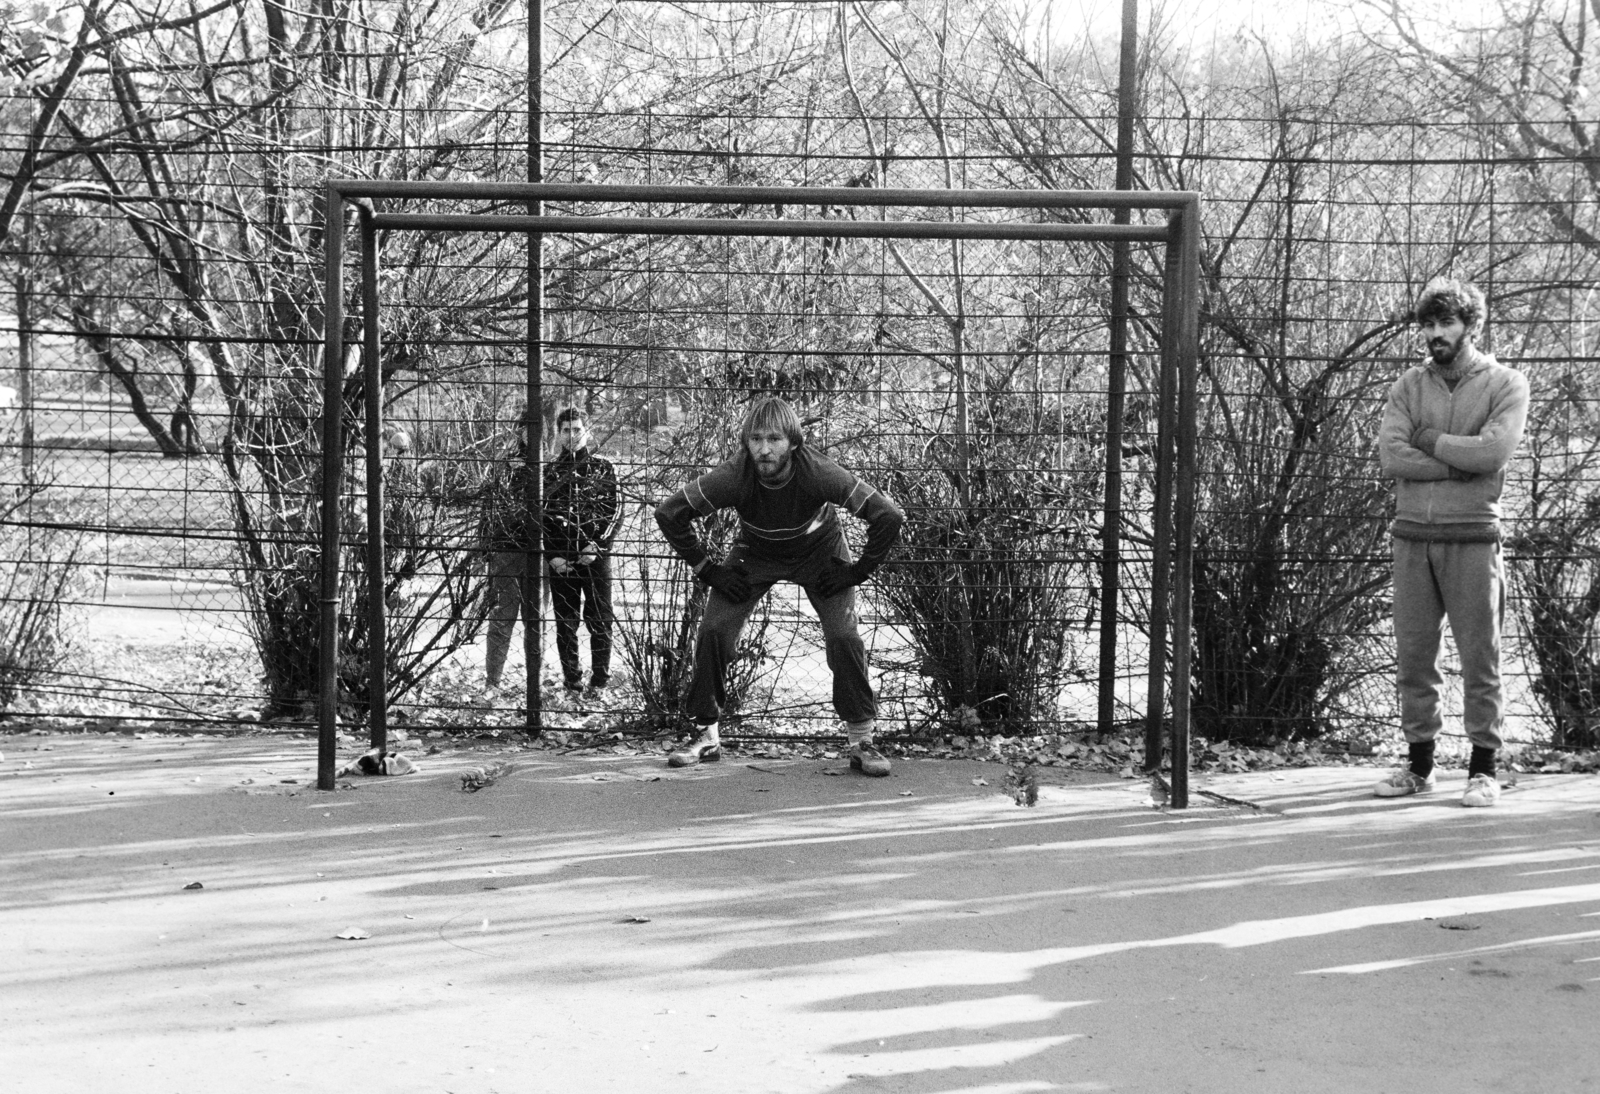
(594, 922)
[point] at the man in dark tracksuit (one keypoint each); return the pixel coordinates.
(580, 519)
(1449, 429)
(785, 495)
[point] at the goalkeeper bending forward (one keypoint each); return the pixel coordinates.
(785, 496)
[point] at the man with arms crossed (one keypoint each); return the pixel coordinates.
(1449, 430)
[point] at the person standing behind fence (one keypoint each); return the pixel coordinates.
(580, 520)
(1449, 430)
(510, 544)
(785, 495)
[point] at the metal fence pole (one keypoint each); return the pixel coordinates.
(532, 590)
(332, 459)
(27, 349)
(1117, 380)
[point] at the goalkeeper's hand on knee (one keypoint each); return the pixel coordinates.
(840, 576)
(731, 581)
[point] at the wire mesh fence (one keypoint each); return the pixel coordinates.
(160, 458)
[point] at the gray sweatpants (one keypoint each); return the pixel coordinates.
(511, 593)
(1464, 583)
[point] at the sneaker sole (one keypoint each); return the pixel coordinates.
(1383, 791)
(855, 765)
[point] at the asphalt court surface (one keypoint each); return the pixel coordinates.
(599, 922)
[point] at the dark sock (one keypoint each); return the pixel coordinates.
(1482, 762)
(1421, 758)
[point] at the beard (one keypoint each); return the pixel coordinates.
(1444, 352)
(773, 469)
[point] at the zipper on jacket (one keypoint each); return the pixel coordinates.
(1449, 422)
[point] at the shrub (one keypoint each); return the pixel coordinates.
(991, 574)
(40, 568)
(1557, 571)
(433, 586)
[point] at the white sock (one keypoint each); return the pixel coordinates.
(856, 732)
(709, 733)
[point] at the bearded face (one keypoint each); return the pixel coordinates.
(1444, 338)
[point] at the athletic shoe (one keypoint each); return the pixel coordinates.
(1402, 782)
(865, 758)
(595, 693)
(704, 750)
(1482, 790)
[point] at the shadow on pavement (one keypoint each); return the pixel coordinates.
(600, 923)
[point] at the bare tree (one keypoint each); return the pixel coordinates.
(1288, 577)
(196, 145)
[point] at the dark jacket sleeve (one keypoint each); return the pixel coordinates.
(504, 516)
(884, 521)
(716, 489)
(865, 502)
(559, 535)
(601, 514)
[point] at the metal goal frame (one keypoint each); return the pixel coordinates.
(1173, 523)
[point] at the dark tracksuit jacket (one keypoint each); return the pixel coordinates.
(792, 523)
(786, 533)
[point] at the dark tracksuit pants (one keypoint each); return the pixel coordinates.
(586, 586)
(724, 620)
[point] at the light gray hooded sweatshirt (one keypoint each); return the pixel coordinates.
(1481, 423)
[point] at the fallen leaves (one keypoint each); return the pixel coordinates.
(487, 775)
(1022, 783)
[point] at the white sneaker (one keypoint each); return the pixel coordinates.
(705, 749)
(1482, 790)
(865, 758)
(1403, 781)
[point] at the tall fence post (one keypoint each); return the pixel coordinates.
(332, 462)
(1116, 396)
(532, 586)
(27, 349)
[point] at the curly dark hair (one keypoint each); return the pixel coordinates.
(1449, 298)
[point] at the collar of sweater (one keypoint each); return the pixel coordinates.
(1468, 361)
